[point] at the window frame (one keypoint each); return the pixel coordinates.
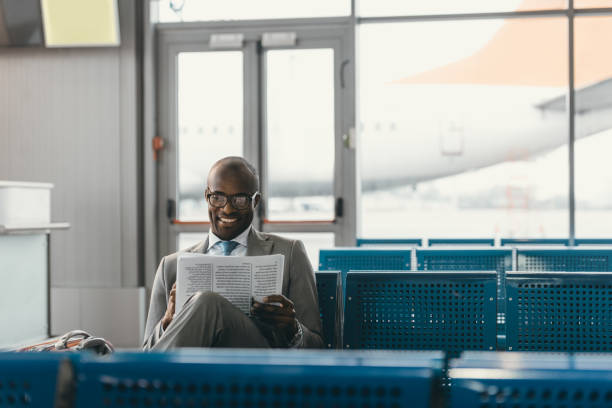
(170, 37)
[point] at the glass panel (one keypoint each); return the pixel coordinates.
(372, 8)
(209, 10)
(300, 131)
(464, 135)
(210, 115)
(185, 240)
(313, 241)
(24, 305)
(593, 178)
(592, 4)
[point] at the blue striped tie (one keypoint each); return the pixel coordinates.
(228, 246)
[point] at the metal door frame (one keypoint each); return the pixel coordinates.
(336, 33)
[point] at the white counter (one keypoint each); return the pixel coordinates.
(24, 273)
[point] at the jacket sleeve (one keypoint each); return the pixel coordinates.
(157, 308)
(303, 294)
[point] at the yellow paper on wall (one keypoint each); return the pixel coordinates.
(80, 23)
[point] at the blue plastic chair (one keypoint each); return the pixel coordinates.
(389, 241)
(242, 378)
(30, 379)
(559, 311)
(462, 241)
(471, 259)
(329, 288)
(359, 259)
(452, 311)
(530, 380)
(533, 241)
(564, 259)
(593, 241)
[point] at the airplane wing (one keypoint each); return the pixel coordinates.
(593, 97)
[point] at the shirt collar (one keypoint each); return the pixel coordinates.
(241, 239)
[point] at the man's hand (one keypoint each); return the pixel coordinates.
(281, 317)
(170, 309)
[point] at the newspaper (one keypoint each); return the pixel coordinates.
(237, 278)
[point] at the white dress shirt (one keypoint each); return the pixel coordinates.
(240, 250)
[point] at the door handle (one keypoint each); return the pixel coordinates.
(171, 209)
(339, 207)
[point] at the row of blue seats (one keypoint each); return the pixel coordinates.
(483, 259)
(472, 259)
(469, 259)
(262, 379)
(458, 310)
(481, 241)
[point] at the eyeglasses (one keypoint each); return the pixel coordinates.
(240, 201)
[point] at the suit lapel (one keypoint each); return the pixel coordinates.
(200, 247)
(258, 244)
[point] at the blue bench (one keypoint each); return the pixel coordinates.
(360, 259)
(389, 241)
(530, 380)
(554, 241)
(533, 241)
(462, 241)
(473, 259)
(453, 311)
(564, 259)
(242, 378)
(557, 311)
(29, 379)
(593, 241)
(329, 289)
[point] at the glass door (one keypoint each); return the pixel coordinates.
(304, 150)
(279, 98)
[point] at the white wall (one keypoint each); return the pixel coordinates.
(70, 117)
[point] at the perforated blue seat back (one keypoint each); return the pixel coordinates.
(593, 241)
(389, 241)
(566, 259)
(568, 385)
(555, 311)
(357, 259)
(364, 259)
(533, 241)
(462, 241)
(238, 380)
(499, 260)
(329, 292)
(29, 379)
(420, 311)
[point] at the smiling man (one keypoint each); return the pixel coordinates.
(287, 319)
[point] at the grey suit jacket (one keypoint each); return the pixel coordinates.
(298, 285)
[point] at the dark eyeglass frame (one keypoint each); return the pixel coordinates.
(230, 198)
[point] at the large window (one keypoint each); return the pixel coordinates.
(592, 3)
(463, 134)
(593, 36)
(371, 8)
(453, 117)
(211, 10)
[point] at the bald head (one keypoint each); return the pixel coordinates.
(236, 168)
(232, 195)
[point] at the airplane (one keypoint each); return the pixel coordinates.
(504, 102)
